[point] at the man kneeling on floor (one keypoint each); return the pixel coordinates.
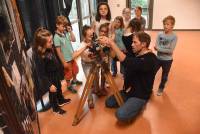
(139, 76)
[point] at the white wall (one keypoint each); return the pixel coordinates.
(116, 7)
(186, 12)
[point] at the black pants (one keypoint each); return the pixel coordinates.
(55, 79)
(165, 65)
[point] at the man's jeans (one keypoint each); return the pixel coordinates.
(131, 107)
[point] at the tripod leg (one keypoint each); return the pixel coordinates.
(84, 96)
(96, 81)
(114, 88)
(103, 80)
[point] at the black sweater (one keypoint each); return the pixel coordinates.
(140, 73)
(128, 40)
(48, 71)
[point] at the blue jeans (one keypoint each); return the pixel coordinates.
(131, 107)
(165, 65)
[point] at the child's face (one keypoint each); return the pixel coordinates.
(49, 42)
(103, 10)
(117, 23)
(61, 28)
(168, 26)
(89, 35)
(127, 14)
(138, 12)
(103, 32)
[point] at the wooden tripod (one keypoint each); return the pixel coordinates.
(91, 77)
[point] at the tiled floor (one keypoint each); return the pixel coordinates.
(176, 112)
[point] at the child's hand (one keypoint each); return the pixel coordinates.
(88, 44)
(91, 55)
(53, 88)
(63, 85)
(67, 65)
(155, 48)
(69, 28)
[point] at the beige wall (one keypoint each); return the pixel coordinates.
(116, 7)
(186, 13)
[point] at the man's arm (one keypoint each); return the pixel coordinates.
(120, 55)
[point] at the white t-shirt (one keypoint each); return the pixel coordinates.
(97, 24)
(126, 23)
(85, 55)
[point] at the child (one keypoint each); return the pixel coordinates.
(48, 69)
(165, 45)
(103, 16)
(117, 37)
(87, 60)
(126, 13)
(104, 31)
(133, 27)
(138, 16)
(62, 41)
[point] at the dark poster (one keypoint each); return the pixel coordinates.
(17, 111)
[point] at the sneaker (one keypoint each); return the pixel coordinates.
(76, 82)
(159, 93)
(63, 102)
(70, 88)
(59, 111)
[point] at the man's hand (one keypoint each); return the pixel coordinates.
(110, 43)
(103, 40)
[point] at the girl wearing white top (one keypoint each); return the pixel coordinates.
(87, 59)
(103, 16)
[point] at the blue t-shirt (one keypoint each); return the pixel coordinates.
(118, 38)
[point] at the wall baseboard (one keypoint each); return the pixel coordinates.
(174, 30)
